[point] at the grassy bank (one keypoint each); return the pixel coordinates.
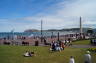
(81, 42)
(13, 54)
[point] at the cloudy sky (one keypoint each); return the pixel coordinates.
(55, 14)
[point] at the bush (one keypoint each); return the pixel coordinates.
(92, 49)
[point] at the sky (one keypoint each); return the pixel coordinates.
(55, 14)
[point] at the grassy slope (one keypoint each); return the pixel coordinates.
(82, 42)
(13, 54)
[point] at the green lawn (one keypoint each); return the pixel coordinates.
(13, 54)
(81, 42)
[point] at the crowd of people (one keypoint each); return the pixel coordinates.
(93, 41)
(57, 46)
(87, 57)
(60, 45)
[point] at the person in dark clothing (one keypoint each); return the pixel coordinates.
(36, 43)
(31, 53)
(45, 42)
(53, 46)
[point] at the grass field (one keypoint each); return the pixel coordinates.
(82, 42)
(13, 54)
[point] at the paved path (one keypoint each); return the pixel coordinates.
(83, 46)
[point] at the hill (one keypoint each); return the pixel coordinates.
(70, 29)
(31, 30)
(52, 30)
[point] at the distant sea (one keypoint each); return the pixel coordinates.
(8, 34)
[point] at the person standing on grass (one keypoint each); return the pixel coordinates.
(37, 42)
(87, 57)
(72, 60)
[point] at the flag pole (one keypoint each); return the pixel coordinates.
(41, 31)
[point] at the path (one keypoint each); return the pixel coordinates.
(83, 46)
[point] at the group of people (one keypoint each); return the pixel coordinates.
(60, 45)
(93, 41)
(57, 46)
(28, 54)
(67, 42)
(87, 58)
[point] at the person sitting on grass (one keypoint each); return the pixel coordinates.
(58, 48)
(28, 54)
(62, 46)
(31, 54)
(52, 46)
